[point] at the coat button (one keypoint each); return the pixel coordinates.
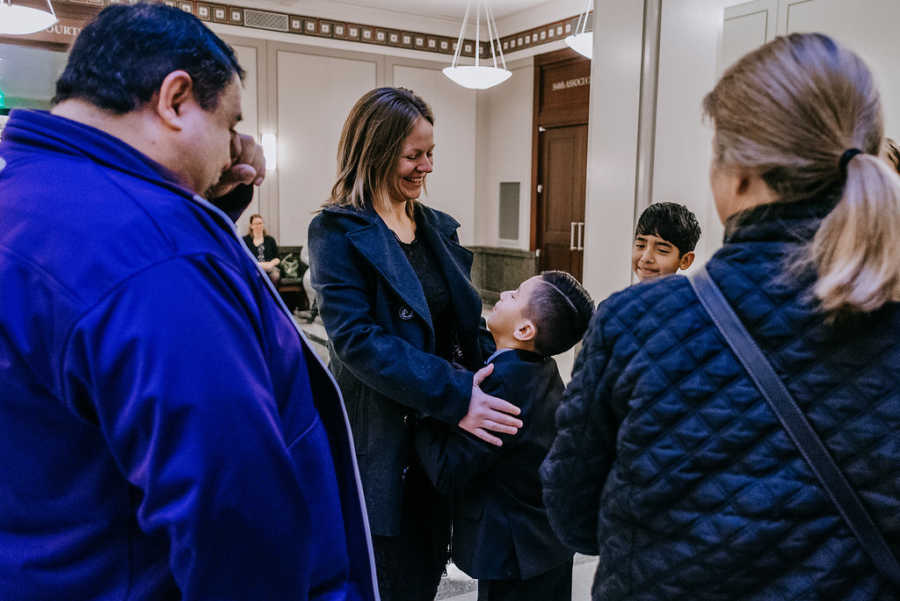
(405, 313)
(404, 472)
(406, 420)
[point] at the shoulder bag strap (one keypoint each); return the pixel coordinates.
(794, 421)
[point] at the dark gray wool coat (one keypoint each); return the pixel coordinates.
(382, 341)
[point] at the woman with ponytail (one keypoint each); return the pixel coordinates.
(669, 462)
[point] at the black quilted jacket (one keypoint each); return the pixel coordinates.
(670, 465)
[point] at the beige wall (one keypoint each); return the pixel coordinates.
(247, 57)
(505, 121)
(690, 39)
(314, 93)
(869, 27)
(612, 145)
(451, 187)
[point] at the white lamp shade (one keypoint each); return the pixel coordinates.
(22, 20)
(582, 43)
(477, 78)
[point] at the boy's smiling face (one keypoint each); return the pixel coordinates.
(653, 257)
(506, 320)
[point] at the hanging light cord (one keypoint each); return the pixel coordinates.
(583, 18)
(462, 31)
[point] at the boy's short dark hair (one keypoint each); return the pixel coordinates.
(561, 309)
(122, 57)
(673, 223)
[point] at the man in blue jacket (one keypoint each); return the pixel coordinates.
(167, 432)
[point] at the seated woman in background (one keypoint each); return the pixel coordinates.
(263, 247)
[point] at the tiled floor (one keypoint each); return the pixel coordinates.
(456, 586)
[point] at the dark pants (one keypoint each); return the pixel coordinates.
(410, 565)
(555, 585)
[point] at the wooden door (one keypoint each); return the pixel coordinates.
(561, 191)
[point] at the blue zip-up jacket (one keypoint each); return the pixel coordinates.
(167, 432)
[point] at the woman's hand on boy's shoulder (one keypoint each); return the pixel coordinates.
(488, 413)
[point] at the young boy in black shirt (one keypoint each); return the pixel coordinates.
(501, 534)
(664, 240)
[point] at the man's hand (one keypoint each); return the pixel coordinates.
(487, 412)
(248, 166)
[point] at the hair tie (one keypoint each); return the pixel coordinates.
(846, 158)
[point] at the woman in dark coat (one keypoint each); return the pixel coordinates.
(669, 463)
(403, 322)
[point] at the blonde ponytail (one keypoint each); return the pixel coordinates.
(790, 111)
(856, 252)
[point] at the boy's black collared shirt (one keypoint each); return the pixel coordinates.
(500, 528)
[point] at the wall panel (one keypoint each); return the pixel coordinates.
(690, 39)
(868, 27)
(314, 94)
(612, 145)
(504, 154)
(451, 187)
(746, 26)
(247, 57)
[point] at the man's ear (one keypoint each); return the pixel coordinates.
(687, 259)
(525, 331)
(176, 90)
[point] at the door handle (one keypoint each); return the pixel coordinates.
(581, 235)
(572, 246)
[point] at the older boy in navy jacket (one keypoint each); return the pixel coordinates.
(501, 534)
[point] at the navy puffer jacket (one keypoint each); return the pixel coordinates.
(671, 466)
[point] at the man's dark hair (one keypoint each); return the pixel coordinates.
(561, 309)
(122, 57)
(673, 223)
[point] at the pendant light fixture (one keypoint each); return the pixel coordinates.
(582, 40)
(478, 76)
(16, 19)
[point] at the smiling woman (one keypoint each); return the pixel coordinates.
(393, 289)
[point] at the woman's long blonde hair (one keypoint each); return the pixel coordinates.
(789, 111)
(371, 142)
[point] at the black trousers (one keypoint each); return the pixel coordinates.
(410, 565)
(555, 585)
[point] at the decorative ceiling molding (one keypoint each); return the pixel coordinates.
(302, 25)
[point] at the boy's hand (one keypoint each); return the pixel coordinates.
(487, 412)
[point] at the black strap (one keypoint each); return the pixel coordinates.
(794, 421)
